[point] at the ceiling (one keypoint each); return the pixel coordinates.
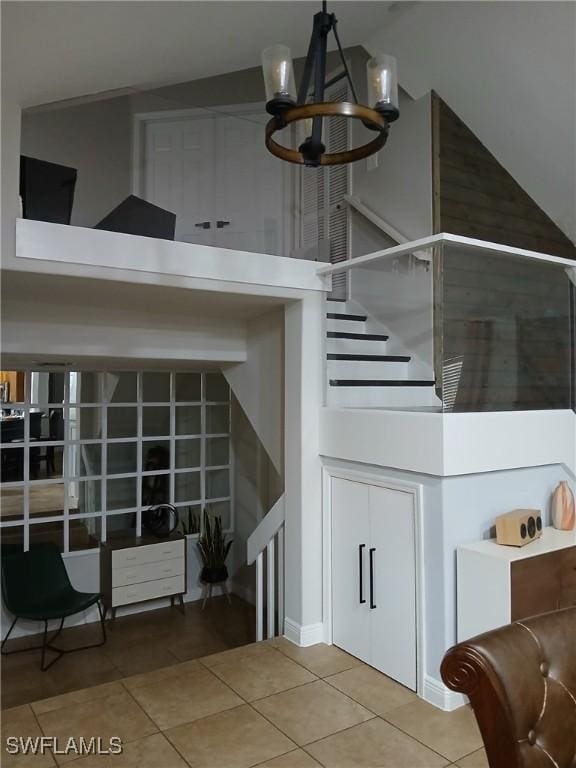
(59, 50)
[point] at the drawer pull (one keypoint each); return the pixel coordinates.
(130, 557)
(167, 570)
(131, 594)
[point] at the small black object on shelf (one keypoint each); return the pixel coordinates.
(135, 216)
(161, 520)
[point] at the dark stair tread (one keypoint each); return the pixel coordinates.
(368, 358)
(380, 383)
(342, 316)
(362, 336)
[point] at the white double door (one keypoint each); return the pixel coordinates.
(213, 171)
(374, 577)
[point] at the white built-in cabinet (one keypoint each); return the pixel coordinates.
(374, 614)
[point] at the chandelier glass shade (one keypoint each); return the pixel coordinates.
(308, 108)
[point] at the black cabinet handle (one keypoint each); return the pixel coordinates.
(360, 548)
(203, 224)
(221, 224)
(372, 604)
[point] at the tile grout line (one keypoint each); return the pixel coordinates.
(444, 757)
(375, 715)
(248, 703)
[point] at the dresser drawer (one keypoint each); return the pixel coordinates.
(163, 569)
(150, 553)
(148, 590)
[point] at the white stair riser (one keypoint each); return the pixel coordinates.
(366, 369)
(356, 346)
(381, 397)
(348, 326)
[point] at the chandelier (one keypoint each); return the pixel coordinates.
(287, 108)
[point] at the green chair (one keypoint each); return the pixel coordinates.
(35, 586)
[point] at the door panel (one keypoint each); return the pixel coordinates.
(215, 168)
(179, 174)
(249, 193)
(350, 530)
(393, 620)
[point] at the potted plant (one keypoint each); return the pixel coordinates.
(213, 549)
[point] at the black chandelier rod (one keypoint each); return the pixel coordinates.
(344, 62)
(324, 23)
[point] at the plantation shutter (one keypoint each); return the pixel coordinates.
(323, 211)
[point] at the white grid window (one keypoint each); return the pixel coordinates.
(85, 453)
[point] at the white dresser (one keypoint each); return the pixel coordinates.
(133, 570)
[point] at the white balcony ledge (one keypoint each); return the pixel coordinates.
(78, 251)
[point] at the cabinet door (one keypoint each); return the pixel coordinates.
(393, 578)
(350, 544)
(568, 577)
(535, 585)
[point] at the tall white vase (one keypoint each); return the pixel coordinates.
(563, 512)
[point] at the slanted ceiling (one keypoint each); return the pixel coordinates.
(61, 50)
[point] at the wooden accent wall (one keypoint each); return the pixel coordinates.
(476, 197)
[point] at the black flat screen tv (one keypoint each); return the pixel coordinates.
(135, 216)
(47, 190)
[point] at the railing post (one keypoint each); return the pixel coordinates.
(281, 581)
(259, 598)
(270, 561)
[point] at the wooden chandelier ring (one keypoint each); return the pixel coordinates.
(374, 119)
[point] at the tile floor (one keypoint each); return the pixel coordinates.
(136, 644)
(266, 704)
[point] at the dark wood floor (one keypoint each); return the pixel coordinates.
(138, 643)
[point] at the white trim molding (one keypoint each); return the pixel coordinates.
(304, 636)
(436, 693)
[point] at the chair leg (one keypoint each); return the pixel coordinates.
(7, 653)
(102, 622)
(46, 645)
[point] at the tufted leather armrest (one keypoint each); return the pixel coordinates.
(521, 681)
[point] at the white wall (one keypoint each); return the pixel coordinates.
(452, 443)
(95, 139)
(43, 328)
(259, 382)
(10, 166)
(399, 188)
(507, 70)
(257, 486)
(304, 387)
(399, 294)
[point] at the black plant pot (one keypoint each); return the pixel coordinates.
(211, 575)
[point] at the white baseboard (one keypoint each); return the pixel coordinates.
(437, 694)
(310, 634)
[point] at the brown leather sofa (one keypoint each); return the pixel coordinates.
(521, 681)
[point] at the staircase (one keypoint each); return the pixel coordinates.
(366, 368)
